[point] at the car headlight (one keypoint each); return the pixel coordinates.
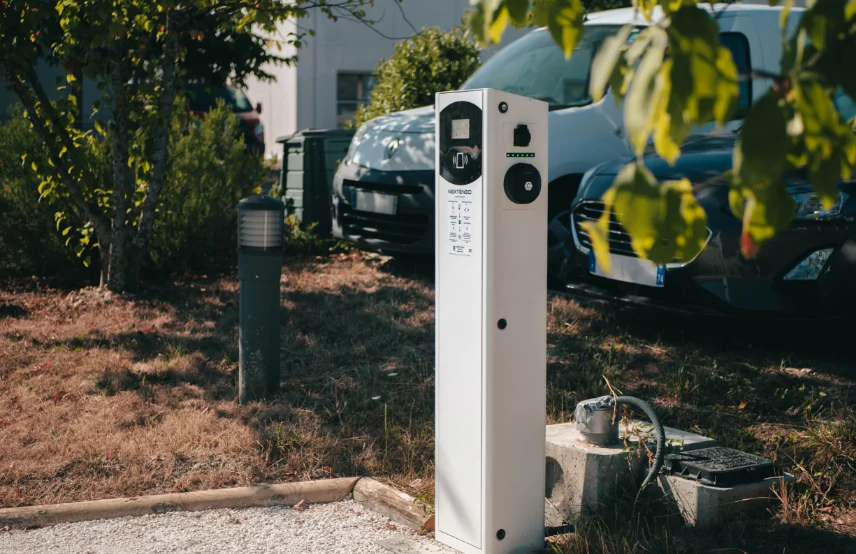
(810, 267)
(810, 207)
(355, 143)
(259, 130)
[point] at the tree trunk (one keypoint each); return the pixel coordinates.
(160, 153)
(121, 178)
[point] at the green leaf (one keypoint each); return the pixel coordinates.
(497, 25)
(786, 12)
(640, 105)
(768, 210)
(665, 222)
(598, 232)
(565, 23)
(517, 9)
(828, 141)
(491, 10)
(605, 62)
(670, 130)
(764, 143)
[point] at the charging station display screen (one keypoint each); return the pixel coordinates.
(460, 143)
(460, 129)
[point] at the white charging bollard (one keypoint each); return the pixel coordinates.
(491, 291)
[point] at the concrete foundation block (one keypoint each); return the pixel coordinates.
(584, 478)
(703, 506)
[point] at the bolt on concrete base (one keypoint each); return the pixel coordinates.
(584, 478)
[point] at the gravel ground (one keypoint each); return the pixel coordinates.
(341, 527)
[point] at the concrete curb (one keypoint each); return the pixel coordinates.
(394, 504)
(285, 494)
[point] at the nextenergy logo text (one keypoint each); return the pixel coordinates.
(460, 191)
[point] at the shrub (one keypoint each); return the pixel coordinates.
(210, 171)
(431, 61)
(196, 222)
(30, 243)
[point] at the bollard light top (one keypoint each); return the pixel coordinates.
(261, 202)
(260, 223)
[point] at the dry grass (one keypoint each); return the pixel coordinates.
(137, 396)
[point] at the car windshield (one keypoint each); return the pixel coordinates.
(535, 66)
(203, 99)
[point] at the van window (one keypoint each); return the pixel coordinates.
(738, 45)
(844, 104)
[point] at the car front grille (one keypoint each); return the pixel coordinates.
(619, 239)
(404, 228)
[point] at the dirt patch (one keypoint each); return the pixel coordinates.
(123, 396)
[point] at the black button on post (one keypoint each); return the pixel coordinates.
(522, 183)
(522, 136)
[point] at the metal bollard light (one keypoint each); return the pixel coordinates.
(260, 228)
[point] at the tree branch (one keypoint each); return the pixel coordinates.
(62, 170)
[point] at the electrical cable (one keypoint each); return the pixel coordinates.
(659, 433)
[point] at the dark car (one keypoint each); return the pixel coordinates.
(203, 99)
(806, 271)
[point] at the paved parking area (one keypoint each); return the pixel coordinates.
(340, 527)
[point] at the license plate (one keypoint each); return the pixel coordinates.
(375, 202)
(630, 270)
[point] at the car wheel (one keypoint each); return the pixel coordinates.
(560, 245)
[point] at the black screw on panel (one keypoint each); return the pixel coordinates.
(502, 324)
(503, 107)
(500, 534)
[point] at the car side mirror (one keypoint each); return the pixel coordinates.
(259, 107)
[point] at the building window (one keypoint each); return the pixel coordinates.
(352, 92)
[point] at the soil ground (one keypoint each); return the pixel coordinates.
(119, 396)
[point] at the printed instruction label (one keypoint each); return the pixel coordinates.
(461, 222)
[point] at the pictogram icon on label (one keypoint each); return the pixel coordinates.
(461, 160)
(460, 238)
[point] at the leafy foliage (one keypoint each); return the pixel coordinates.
(138, 52)
(195, 223)
(210, 171)
(29, 241)
(431, 61)
(795, 126)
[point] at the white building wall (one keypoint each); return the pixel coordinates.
(309, 90)
(279, 98)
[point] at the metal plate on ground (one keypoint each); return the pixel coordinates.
(413, 546)
(719, 466)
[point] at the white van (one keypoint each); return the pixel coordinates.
(393, 155)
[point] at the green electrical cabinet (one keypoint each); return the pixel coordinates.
(310, 158)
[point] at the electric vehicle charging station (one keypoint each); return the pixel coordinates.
(491, 338)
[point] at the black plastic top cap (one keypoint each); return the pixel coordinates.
(261, 202)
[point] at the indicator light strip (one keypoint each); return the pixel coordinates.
(520, 155)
